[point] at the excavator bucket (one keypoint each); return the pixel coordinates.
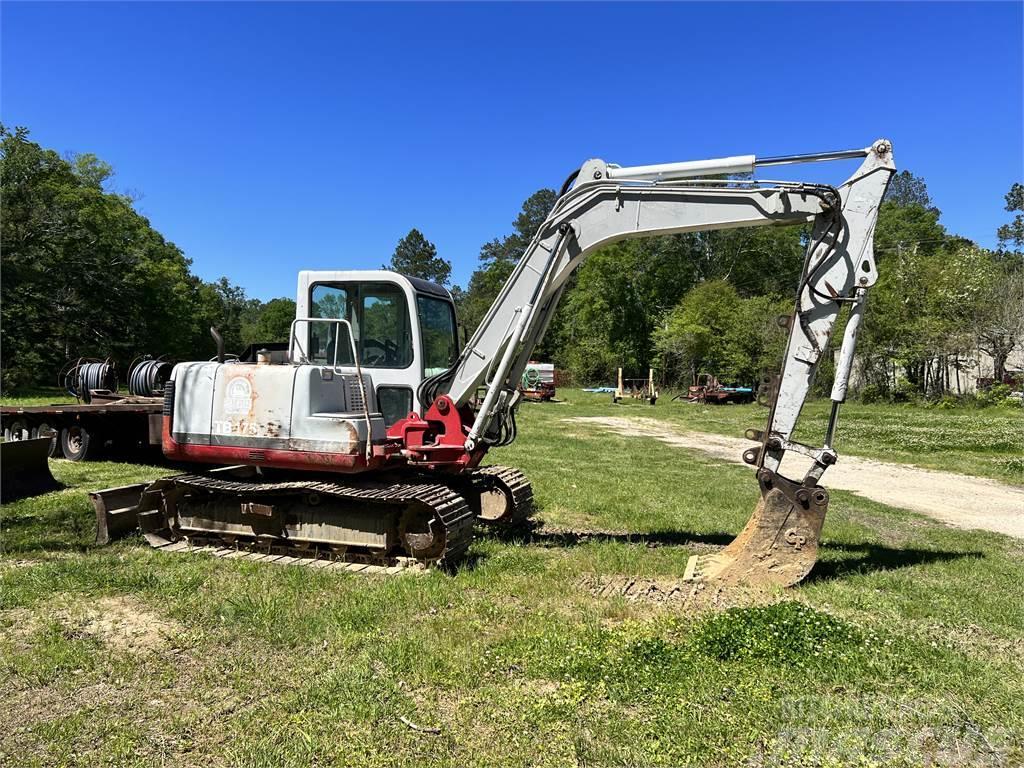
(24, 469)
(778, 545)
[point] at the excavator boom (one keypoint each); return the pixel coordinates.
(608, 203)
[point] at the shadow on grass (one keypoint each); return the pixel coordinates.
(29, 534)
(865, 557)
(841, 560)
(574, 538)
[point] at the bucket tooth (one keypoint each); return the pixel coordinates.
(779, 543)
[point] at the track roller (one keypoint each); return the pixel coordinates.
(368, 522)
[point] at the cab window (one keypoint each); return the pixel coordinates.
(329, 301)
(385, 340)
(379, 316)
(437, 332)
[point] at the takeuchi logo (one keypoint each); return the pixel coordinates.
(239, 395)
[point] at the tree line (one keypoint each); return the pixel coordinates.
(84, 274)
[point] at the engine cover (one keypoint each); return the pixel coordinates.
(304, 408)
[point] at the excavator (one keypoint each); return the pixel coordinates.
(362, 443)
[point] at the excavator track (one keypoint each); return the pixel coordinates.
(281, 556)
(501, 496)
(381, 525)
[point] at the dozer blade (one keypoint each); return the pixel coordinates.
(24, 469)
(117, 511)
(778, 545)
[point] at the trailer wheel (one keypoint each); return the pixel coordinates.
(16, 430)
(45, 430)
(74, 442)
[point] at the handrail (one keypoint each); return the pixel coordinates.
(293, 342)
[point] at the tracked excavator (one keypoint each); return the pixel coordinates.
(363, 442)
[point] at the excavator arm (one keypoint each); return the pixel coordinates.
(606, 203)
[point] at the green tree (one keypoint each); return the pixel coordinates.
(272, 322)
(235, 312)
(90, 169)
(1012, 234)
(901, 331)
(499, 257)
(622, 293)
(906, 189)
(714, 330)
(998, 319)
(85, 275)
(607, 319)
(417, 257)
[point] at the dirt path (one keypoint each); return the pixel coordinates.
(959, 500)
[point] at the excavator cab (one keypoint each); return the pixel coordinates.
(400, 330)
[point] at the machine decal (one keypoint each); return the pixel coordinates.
(238, 400)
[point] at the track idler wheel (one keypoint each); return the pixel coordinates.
(495, 506)
(422, 534)
(501, 496)
(778, 545)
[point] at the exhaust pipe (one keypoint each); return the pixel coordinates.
(220, 343)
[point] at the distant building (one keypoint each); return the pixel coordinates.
(964, 374)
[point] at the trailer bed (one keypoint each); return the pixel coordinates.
(79, 431)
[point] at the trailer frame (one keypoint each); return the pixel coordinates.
(81, 431)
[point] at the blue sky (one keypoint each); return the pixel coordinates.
(268, 138)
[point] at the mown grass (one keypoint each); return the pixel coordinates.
(906, 647)
(988, 442)
(39, 396)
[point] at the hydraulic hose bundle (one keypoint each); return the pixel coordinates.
(148, 376)
(83, 376)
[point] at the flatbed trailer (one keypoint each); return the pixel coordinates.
(80, 431)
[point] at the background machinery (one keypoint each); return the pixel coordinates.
(709, 389)
(538, 383)
(367, 441)
(638, 389)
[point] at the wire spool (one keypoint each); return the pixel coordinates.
(83, 376)
(97, 376)
(147, 379)
(93, 376)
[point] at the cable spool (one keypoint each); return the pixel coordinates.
(147, 379)
(91, 376)
(84, 375)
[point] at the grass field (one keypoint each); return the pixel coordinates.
(905, 647)
(988, 442)
(41, 396)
